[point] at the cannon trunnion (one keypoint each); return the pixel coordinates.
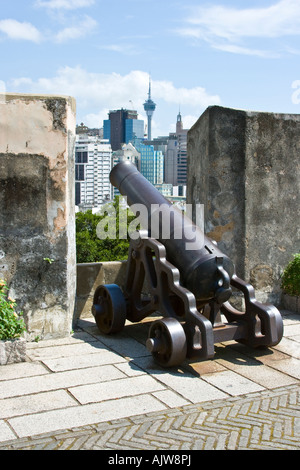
(189, 283)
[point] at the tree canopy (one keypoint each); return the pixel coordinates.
(90, 248)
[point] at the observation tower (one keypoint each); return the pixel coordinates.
(149, 107)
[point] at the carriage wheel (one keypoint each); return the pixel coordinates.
(167, 342)
(109, 308)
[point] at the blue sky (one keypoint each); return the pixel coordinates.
(238, 54)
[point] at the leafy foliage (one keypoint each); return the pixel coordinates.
(291, 277)
(90, 248)
(11, 324)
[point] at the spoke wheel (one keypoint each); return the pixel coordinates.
(167, 342)
(109, 308)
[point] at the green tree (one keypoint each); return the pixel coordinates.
(90, 248)
(291, 276)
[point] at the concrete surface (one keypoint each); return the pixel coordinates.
(88, 391)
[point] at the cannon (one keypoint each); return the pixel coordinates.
(189, 284)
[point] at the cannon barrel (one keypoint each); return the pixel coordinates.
(204, 269)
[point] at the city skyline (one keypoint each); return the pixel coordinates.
(235, 54)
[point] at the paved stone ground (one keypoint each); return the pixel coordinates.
(264, 421)
(93, 392)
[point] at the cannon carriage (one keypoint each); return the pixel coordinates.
(189, 282)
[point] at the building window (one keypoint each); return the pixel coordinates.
(79, 172)
(81, 157)
(77, 194)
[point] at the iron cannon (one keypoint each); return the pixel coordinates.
(188, 281)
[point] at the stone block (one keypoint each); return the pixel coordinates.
(291, 303)
(12, 351)
(245, 168)
(37, 213)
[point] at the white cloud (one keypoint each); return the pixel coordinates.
(91, 90)
(86, 26)
(97, 93)
(225, 26)
(20, 31)
(65, 4)
(17, 30)
(280, 19)
(196, 96)
(115, 89)
(234, 49)
(96, 119)
(189, 120)
(126, 49)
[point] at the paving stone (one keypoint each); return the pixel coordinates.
(129, 386)
(205, 367)
(254, 370)
(127, 347)
(59, 380)
(292, 330)
(32, 425)
(231, 383)
(288, 346)
(129, 368)
(189, 387)
(24, 369)
(6, 434)
(289, 366)
(82, 361)
(69, 350)
(28, 404)
(77, 337)
(170, 398)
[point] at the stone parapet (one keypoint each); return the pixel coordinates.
(245, 168)
(37, 213)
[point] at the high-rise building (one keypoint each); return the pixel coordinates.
(149, 107)
(122, 127)
(134, 129)
(92, 168)
(181, 135)
(171, 160)
(152, 164)
(176, 155)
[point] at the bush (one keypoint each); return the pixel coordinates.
(291, 277)
(89, 247)
(11, 324)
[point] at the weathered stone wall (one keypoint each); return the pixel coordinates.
(245, 168)
(37, 216)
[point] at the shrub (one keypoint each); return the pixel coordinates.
(291, 277)
(12, 325)
(89, 247)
